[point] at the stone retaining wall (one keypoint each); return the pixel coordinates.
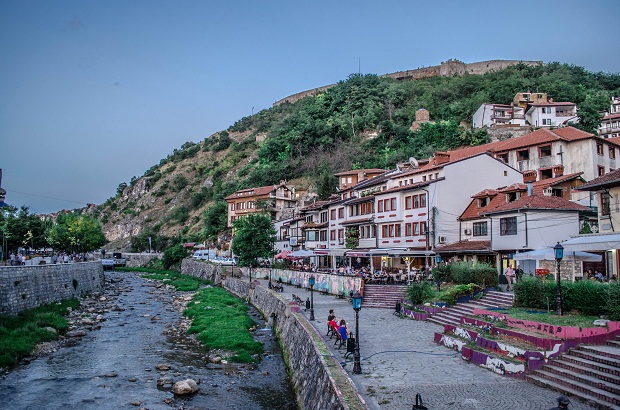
(313, 375)
(26, 287)
(202, 269)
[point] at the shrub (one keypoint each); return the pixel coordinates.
(174, 255)
(613, 301)
(452, 294)
(418, 293)
(482, 274)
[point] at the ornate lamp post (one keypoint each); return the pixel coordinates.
(356, 301)
(311, 282)
(559, 254)
(270, 270)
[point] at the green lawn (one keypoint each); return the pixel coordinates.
(551, 318)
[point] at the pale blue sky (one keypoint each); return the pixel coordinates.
(95, 92)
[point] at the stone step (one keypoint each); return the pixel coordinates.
(584, 378)
(606, 350)
(589, 398)
(443, 321)
(590, 354)
(578, 389)
(597, 371)
(590, 364)
(614, 343)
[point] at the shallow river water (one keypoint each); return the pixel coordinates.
(114, 365)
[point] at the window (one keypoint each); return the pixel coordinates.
(333, 214)
(546, 173)
(599, 148)
(544, 151)
(324, 216)
(408, 202)
(332, 235)
(232, 206)
(309, 219)
(601, 170)
(480, 228)
(546, 110)
(380, 206)
(503, 157)
(408, 229)
(341, 213)
(612, 153)
(422, 228)
(311, 235)
(340, 233)
(393, 204)
(416, 202)
(546, 121)
(605, 200)
(391, 231)
(323, 236)
(422, 200)
(508, 226)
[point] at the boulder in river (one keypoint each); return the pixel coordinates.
(184, 387)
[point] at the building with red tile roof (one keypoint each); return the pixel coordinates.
(277, 200)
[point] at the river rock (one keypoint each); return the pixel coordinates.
(216, 360)
(163, 366)
(164, 381)
(76, 333)
(183, 387)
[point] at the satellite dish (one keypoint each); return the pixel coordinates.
(413, 162)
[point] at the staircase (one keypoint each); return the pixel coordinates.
(383, 296)
(591, 373)
(453, 314)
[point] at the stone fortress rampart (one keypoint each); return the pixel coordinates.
(26, 287)
(448, 68)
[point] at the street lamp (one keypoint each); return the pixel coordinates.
(559, 254)
(311, 282)
(270, 269)
(356, 301)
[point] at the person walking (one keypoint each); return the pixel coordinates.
(510, 274)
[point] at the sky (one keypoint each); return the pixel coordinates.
(94, 92)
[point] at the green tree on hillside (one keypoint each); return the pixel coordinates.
(78, 233)
(215, 220)
(254, 238)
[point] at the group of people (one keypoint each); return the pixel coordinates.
(17, 259)
(513, 276)
(339, 325)
(599, 277)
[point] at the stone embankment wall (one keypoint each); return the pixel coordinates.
(318, 380)
(446, 69)
(202, 269)
(136, 260)
(26, 287)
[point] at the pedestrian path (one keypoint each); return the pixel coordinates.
(399, 359)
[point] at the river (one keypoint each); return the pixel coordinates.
(133, 327)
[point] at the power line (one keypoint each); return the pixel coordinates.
(46, 197)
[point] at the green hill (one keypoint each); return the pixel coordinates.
(362, 122)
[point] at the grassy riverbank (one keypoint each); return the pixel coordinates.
(219, 319)
(20, 334)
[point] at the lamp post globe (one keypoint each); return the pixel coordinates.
(356, 301)
(311, 282)
(559, 254)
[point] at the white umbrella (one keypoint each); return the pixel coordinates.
(548, 254)
(301, 254)
(594, 242)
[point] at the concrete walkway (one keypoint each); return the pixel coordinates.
(399, 359)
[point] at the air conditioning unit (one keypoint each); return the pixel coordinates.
(467, 231)
(441, 239)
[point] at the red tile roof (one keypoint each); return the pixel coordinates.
(263, 190)
(539, 202)
(466, 246)
(611, 116)
(610, 179)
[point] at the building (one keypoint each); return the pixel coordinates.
(278, 201)
(610, 124)
(551, 114)
(499, 115)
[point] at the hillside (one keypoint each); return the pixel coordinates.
(362, 122)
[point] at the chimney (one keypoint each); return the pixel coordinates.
(441, 157)
(558, 170)
(529, 176)
(530, 189)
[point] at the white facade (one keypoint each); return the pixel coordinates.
(547, 115)
(535, 229)
(492, 115)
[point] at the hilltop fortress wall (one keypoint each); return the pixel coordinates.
(445, 69)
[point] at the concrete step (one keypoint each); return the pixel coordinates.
(590, 364)
(596, 372)
(583, 378)
(611, 352)
(569, 391)
(578, 389)
(590, 354)
(443, 321)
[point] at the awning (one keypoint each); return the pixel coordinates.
(548, 254)
(380, 251)
(358, 253)
(595, 242)
(399, 254)
(321, 251)
(337, 252)
(301, 254)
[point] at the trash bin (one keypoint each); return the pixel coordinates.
(350, 345)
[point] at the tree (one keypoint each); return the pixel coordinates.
(254, 238)
(79, 233)
(326, 184)
(20, 228)
(215, 220)
(174, 255)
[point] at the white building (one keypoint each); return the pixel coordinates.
(499, 115)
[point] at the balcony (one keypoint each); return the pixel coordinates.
(564, 114)
(545, 162)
